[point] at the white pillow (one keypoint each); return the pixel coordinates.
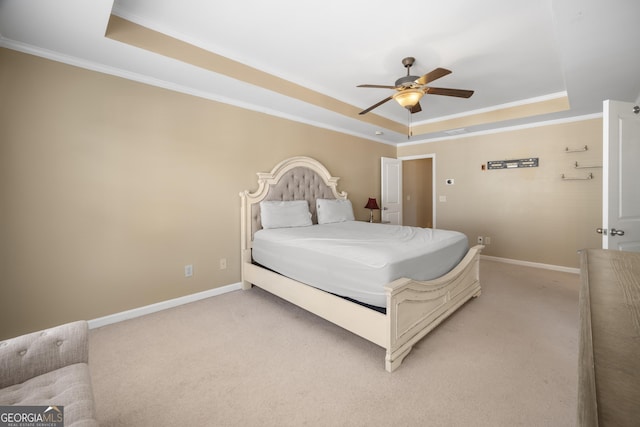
(281, 214)
(334, 210)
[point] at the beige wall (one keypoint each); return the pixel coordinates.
(530, 214)
(109, 187)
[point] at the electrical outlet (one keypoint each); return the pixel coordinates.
(480, 240)
(188, 270)
(223, 263)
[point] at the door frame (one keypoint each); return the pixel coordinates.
(431, 156)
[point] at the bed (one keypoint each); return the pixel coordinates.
(394, 314)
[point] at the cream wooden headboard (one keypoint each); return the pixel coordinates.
(296, 178)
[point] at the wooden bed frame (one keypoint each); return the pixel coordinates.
(413, 309)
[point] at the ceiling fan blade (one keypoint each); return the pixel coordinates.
(433, 75)
(374, 106)
(460, 93)
(378, 86)
(416, 108)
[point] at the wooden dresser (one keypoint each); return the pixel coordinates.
(609, 361)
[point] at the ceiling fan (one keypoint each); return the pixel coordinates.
(410, 89)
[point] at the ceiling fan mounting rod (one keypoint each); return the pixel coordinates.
(408, 80)
(408, 62)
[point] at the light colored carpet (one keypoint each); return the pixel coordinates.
(247, 358)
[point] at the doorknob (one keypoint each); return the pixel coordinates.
(601, 231)
(615, 232)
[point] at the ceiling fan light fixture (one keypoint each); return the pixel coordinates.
(408, 98)
(410, 89)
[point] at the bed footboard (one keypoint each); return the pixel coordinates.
(414, 308)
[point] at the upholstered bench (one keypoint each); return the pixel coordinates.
(50, 367)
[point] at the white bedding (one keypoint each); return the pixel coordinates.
(356, 259)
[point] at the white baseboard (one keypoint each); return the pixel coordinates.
(148, 309)
(163, 305)
(532, 264)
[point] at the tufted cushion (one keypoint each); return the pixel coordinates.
(34, 354)
(50, 368)
(299, 183)
(69, 386)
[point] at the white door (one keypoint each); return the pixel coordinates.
(391, 192)
(621, 176)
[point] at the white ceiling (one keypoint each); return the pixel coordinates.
(511, 52)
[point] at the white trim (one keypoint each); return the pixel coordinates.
(513, 104)
(152, 81)
(163, 305)
(532, 264)
(128, 75)
(506, 129)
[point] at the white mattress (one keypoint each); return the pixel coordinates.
(356, 259)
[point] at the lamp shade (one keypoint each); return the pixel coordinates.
(408, 98)
(372, 203)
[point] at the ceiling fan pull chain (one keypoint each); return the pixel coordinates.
(410, 134)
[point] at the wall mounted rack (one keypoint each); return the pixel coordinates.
(577, 178)
(575, 150)
(531, 162)
(577, 166)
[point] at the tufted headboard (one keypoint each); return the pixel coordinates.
(297, 178)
